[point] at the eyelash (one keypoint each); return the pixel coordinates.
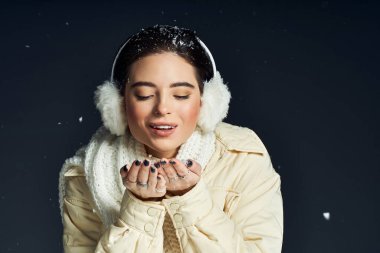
(182, 97)
(141, 98)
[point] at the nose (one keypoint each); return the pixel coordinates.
(163, 106)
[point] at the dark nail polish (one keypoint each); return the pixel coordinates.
(137, 162)
(125, 168)
(146, 162)
(157, 165)
(152, 169)
(189, 163)
(172, 162)
(163, 162)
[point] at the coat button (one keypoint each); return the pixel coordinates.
(177, 217)
(148, 227)
(174, 206)
(152, 211)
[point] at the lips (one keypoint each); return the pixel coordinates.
(163, 132)
(154, 124)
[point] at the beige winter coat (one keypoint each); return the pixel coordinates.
(235, 207)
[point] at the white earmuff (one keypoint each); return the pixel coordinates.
(111, 107)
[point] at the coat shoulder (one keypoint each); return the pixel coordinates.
(74, 166)
(237, 138)
(75, 171)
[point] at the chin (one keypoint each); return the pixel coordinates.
(163, 148)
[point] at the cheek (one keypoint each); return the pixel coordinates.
(191, 112)
(134, 112)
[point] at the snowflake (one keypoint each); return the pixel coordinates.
(326, 215)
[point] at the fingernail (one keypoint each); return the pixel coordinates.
(189, 163)
(172, 162)
(158, 177)
(152, 169)
(125, 168)
(163, 162)
(146, 162)
(157, 165)
(137, 162)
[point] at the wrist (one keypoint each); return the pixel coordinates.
(147, 199)
(179, 192)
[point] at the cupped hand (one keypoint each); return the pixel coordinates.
(180, 177)
(143, 180)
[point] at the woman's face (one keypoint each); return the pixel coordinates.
(162, 92)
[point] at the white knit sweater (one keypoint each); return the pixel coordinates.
(106, 153)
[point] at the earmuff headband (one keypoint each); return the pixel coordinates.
(199, 40)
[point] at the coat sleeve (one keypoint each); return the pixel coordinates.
(255, 226)
(137, 229)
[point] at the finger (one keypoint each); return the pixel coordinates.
(161, 182)
(161, 185)
(152, 180)
(157, 165)
(124, 171)
(194, 167)
(180, 168)
(143, 175)
(133, 171)
(159, 168)
(170, 171)
(161, 171)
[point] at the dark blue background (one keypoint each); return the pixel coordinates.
(304, 76)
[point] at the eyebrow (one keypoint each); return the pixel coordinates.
(173, 85)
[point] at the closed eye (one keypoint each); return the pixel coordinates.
(147, 97)
(142, 97)
(182, 97)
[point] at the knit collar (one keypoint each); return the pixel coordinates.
(106, 154)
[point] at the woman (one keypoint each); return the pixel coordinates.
(188, 181)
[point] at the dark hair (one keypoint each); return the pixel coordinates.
(160, 39)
